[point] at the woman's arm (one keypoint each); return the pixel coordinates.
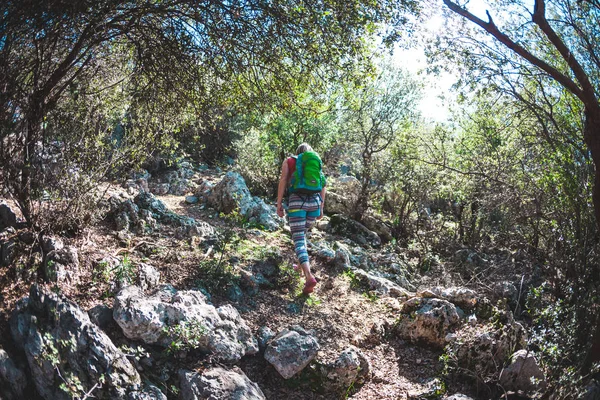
(283, 183)
(323, 192)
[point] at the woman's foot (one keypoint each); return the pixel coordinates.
(309, 286)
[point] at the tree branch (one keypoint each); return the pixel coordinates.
(539, 18)
(493, 30)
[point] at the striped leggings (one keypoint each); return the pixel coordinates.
(303, 210)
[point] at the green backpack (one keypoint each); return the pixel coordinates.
(308, 177)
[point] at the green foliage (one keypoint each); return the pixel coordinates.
(216, 273)
(125, 271)
(271, 137)
(106, 86)
(185, 336)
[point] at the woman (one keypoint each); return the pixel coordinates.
(303, 210)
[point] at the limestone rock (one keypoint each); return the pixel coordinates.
(148, 318)
(264, 334)
(291, 350)
(384, 287)
(483, 350)
(7, 252)
(67, 341)
(13, 381)
(460, 296)
(149, 392)
(218, 383)
(350, 367)
(231, 194)
(62, 265)
(51, 243)
(148, 276)
(459, 396)
(523, 373)
(340, 224)
(342, 195)
(427, 320)
(378, 226)
(101, 315)
(8, 218)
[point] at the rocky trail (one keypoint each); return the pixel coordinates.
(195, 297)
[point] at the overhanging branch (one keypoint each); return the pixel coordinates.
(503, 38)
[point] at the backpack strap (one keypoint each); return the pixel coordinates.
(299, 164)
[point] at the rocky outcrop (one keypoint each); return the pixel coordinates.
(170, 316)
(148, 276)
(64, 349)
(177, 182)
(232, 195)
(13, 381)
(149, 392)
(218, 383)
(145, 211)
(484, 349)
(291, 350)
(8, 218)
(342, 225)
(351, 367)
(342, 195)
(382, 286)
(427, 321)
(8, 247)
(62, 265)
(523, 373)
(460, 296)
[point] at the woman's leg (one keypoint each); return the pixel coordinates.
(297, 220)
(302, 214)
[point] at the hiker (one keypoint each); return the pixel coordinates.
(306, 187)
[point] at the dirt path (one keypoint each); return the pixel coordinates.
(341, 316)
(339, 313)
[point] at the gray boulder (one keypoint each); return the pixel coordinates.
(378, 226)
(218, 383)
(342, 225)
(291, 351)
(8, 218)
(264, 334)
(427, 320)
(170, 316)
(62, 344)
(342, 195)
(231, 194)
(523, 373)
(62, 265)
(13, 381)
(483, 350)
(460, 296)
(148, 276)
(101, 315)
(51, 243)
(149, 392)
(8, 252)
(382, 286)
(349, 368)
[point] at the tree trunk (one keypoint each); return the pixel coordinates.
(592, 140)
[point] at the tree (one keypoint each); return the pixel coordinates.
(373, 118)
(560, 43)
(166, 48)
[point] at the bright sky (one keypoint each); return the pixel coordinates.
(432, 106)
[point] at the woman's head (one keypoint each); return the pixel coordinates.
(303, 148)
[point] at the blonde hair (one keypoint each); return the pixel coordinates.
(303, 147)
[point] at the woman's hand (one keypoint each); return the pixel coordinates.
(280, 210)
(320, 215)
